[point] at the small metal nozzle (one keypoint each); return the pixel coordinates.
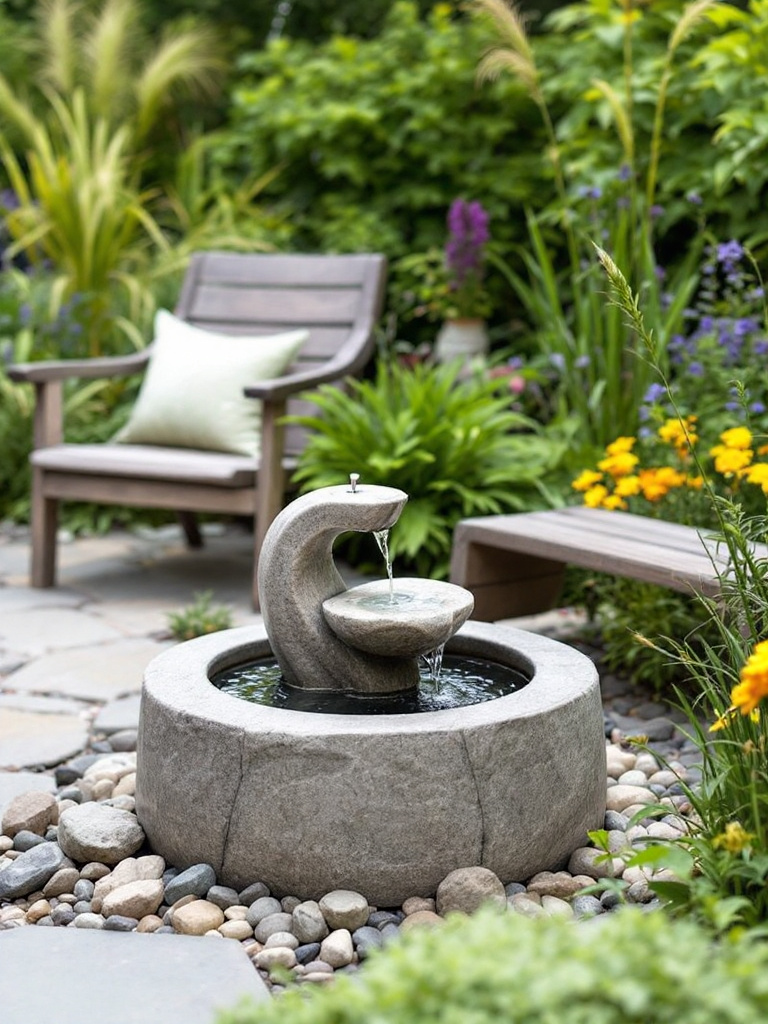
(353, 478)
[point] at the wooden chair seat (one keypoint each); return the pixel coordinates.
(336, 298)
(148, 462)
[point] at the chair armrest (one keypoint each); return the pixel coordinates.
(63, 369)
(349, 360)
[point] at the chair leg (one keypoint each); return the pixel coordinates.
(188, 523)
(45, 521)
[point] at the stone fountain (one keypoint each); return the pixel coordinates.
(386, 804)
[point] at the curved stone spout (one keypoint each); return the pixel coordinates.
(297, 574)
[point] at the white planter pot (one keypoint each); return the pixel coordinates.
(461, 339)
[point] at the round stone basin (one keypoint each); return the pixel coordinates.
(386, 805)
(413, 617)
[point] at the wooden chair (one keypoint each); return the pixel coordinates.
(338, 298)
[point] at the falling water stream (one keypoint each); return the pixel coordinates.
(382, 539)
(433, 660)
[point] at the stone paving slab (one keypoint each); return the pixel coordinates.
(14, 783)
(29, 738)
(99, 673)
(37, 630)
(17, 599)
(119, 714)
(43, 705)
(131, 978)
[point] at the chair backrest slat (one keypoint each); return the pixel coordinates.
(258, 293)
(284, 269)
(286, 306)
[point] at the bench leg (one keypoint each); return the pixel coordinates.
(45, 521)
(505, 584)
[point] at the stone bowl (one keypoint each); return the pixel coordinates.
(386, 805)
(422, 615)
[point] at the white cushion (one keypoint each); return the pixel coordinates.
(192, 393)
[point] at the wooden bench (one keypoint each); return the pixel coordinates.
(514, 564)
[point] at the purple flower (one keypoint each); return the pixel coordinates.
(694, 198)
(589, 192)
(757, 408)
(695, 369)
(760, 347)
(656, 211)
(654, 393)
(729, 252)
(660, 273)
(8, 200)
(468, 234)
(557, 359)
(625, 172)
(732, 406)
(581, 362)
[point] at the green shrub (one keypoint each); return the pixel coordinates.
(377, 137)
(632, 968)
(199, 618)
(454, 446)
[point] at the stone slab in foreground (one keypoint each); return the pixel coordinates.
(132, 978)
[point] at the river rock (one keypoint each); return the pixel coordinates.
(236, 930)
(337, 949)
(262, 907)
(420, 919)
(621, 797)
(63, 881)
(33, 811)
(344, 908)
(94, 832)
(223, 897)
(274, 956)
(560, 884)
(309, 925)
(193, 881)
(586, 860)
(281, 922)
(466, 889)
(30, 871)
(136, 899)
(197, 918)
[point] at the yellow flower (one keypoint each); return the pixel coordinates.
(614, 501)
(736, 437)
(753, 685)
(618, 465)
(620, 445)
(724, 720)
(627, 486)
(595, 496)
(758, 474)
(679, 432)
(586, 479)
(730, 460)
(734, 839)
(656, 483)
(694, 482)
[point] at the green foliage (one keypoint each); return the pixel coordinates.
(725, 884)
(377, 137)
(602, 378)
(453, 445)
(629, 611)
(80, 201)
(199, 618)
(635, 968)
